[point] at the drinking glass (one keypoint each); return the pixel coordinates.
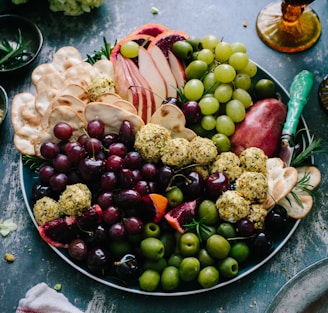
(289, 25)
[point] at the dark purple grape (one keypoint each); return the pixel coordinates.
(78, 250)
(193, 186)
(133, 160)
(192, 112)
(91, 169)
(97, 236)
(49, 150)
(108, 181)
(75, 152)
(245, 227)
(58, 182)
(216, 184)
(118, 148)
(92, 146)
(117, 231)
(39, 191)
(98, 260)
(127, 198)
(261, 244)
(164, 176)
(276, 219)
(45, 174)
(133, 225)
(63, 131)
(111, 215)
(149, 171)
(96, 129)
(126, 178)
(108, 139)
(105, 199)
(127, 133)
(61, 163)
(115, 163)
(127, 268)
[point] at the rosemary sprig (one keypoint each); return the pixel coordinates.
(310, 149)
(103, 53)
(31, 161)
(202, 230)
(14, 54)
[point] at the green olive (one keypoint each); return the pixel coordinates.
(151, 229)
(195, 42)
(228, 267)
(227, 230)
(209, 212)
(156, 265)
(170, 278)
(189, 269)
(204, 258)
(264, 88)
(239, 251)
(174, 196)
(152, 248)
(208, 277)
(175, 260)
(217, 246)
(196, 69)
(149, 280)
(189, 244)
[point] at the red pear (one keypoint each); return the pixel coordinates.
(261, 127)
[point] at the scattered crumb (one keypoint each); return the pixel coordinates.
(7, 226)
(9, 257)
(58, 287)
(245, 24)
(154, 11)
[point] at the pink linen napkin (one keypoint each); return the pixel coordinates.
(42, 299)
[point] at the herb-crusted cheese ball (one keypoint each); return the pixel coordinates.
(253, 186)
(253, 160)
(75, 199)
(203, 150)
(99, 86)
(150, 141)
(177, 152)
(45, 210)
(228, 163)
(257, 215)
(232, 207)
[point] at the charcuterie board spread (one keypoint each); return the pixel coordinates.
(154, 166)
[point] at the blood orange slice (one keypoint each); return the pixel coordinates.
(150, 29)
(154, 208)
(166, 40)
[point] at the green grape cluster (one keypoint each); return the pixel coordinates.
(219, 77)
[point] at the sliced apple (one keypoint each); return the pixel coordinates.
(146, 111)
(121, 83)
(177, 69)
(165, 69)
(150, 72)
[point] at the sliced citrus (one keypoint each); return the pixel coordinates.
(181, 215)
(155, 206)
(150, 29)
(166, 40)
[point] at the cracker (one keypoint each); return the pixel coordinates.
(172, 118)
(104, 68)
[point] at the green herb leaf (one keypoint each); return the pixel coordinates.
(31, 161)
(103, 53)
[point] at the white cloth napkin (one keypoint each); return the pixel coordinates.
(43, 299)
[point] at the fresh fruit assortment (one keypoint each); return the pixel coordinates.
(156, 168)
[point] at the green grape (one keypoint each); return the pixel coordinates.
(210, 83)
(209, 105)
(222, 142)
(209, 42)
(224, 73)
(129, 49)
(225, 125)
(242, 80)
(223, 93)
(223, 51)
(196, 69)
(235, 110)
(208, 122)
(250, 69)
(206, 55)
(194, 89)
(238, 47)
(243, 96)
(238, 60)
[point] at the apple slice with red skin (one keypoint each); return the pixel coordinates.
(121, 83)
(150, 72)
(165, 69)
(148, 108)
(177, 69)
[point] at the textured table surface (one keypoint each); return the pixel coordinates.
(36, 262)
